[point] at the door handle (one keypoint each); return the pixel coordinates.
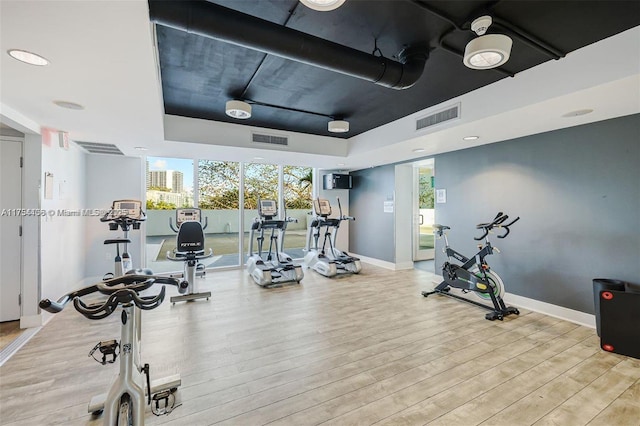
(421, 219)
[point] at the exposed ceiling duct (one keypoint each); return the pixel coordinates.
(220, 23)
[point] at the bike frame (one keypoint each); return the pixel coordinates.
(130, 380)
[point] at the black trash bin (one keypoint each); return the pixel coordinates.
(600, 284)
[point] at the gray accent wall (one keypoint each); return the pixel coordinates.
(372, 233)
(577, 191)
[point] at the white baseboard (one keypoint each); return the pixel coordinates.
(576, 317)
(30, 321)
(383, 263)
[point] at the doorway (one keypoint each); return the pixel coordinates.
(10, 228)
(423, 210)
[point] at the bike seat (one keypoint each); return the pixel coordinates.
(117, 241)
(440, 228)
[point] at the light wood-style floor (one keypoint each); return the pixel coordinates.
(9, 331)
(365, 349)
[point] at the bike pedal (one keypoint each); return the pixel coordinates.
(163, 402)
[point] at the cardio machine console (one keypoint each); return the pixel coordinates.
(131, 209)
(187, 215)
(322, 207)
(267, 208)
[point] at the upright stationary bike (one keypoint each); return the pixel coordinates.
(474, 274)
(190, 250)
(126, 215)
(125, 402)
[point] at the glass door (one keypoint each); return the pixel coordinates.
(424, 213)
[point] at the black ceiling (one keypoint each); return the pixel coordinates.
(199, 74)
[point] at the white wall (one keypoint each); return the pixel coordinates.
(62, 237)
(403, 211)
(109, 178)
(31, 173)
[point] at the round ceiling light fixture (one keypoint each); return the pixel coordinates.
(68, 105)
(338, 126)
(470, 138)
(487, 51)
(578, 113)
(323, 5)
(238, 109)
(418, 150)
(28, 57)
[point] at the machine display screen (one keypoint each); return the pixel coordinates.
(323, 207)
(129, 208)
(187, 215)
(268, 207)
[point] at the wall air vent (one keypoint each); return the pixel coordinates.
(99, 148)
(441, 116)
(270, 139)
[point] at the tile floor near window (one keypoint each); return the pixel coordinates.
(365, 349)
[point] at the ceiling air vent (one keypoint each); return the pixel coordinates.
(448, 114)
(271, 139)
(99, 148)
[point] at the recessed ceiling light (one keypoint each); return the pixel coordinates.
(68, 105)
(340, 164)
(578, 113)
(470, 138)
(338, 126)
(323, 5)
(28, 57)
(141, 148)
(238, 109)
(418, 150)
(258, 158)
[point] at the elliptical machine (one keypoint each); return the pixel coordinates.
(126, 215)
(190, 250)
(328, 261)
(274, 268)
(475, 275)
(125, 402)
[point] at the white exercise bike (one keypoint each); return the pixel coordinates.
(132, 390)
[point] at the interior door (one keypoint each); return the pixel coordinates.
(423, 213)
(10, 221)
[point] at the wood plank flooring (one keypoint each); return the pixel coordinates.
(361, 350)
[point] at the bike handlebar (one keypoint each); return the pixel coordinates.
(119, 297)
(123, 218)
(497, 222)
(120, 287)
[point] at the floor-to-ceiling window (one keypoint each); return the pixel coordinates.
(219, 199)
(297, 188)
(169, 183)
(227, 194)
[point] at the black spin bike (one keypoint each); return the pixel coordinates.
(474, 274)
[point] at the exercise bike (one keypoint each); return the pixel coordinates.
(328, 261)
(474, 274)
(125, 402)
(126, 215)
(271, 269)
(190, 250)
